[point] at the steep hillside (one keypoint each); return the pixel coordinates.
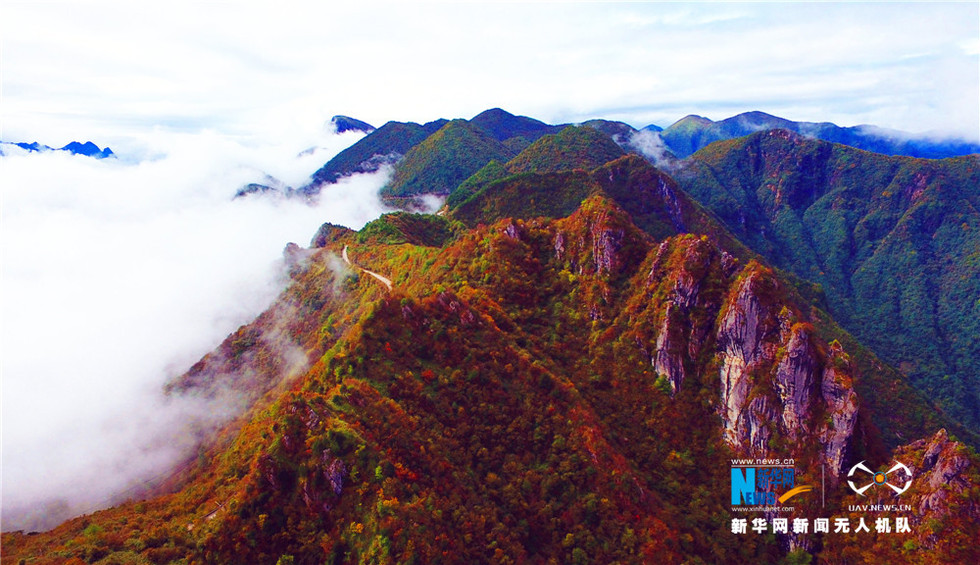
(651, 197)
(568, 389)
(660, 208)
(404, 227)
(892, 240)
(438, 164)
(383, 146)
(692, 133)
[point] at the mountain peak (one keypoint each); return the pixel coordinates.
(692, 120)
(574, 147)
(756, 116)
(503, 125)
(343, 124)
(619, 131)
(88, 149)
(494, 114)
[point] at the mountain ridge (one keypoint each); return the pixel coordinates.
(681, 139)
(692, 133)
(563, 367)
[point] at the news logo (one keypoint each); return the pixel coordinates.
(764, 484)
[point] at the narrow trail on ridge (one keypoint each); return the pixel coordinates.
(384, 280)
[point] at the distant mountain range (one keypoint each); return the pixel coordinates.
(510, 134)
(463, 148)
(692, 133)
(88, 148)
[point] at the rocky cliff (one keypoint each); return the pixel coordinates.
(779, 383)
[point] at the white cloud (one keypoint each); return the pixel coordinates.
(970, 46)
(118, 277)
(111, 71)
(652, 146)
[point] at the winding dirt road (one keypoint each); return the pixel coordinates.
(384, 280)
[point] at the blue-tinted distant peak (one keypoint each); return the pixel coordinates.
(87, 149)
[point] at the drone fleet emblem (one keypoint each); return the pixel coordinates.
(881, 478)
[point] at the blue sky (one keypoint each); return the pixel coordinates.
(112, 71)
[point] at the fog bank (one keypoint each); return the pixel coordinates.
(117, 276)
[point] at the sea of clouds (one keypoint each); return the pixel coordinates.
(118, 275)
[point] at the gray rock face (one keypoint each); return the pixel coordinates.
(667, 360)
(940, 478)
(679, 335)
(739, 339)
(605, 248)
(841, 405)
(795, 376)
(781, 388)
(672, 203)
(775, 380)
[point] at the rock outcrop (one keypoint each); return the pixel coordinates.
(940, 476)
(778, 383)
